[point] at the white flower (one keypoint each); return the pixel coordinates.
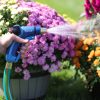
(1, 22)
(14, 11)
(0, 31)
(25, 18)
(13, 7)
(1, 16)
(7, 23)
(2, 6)
(12, 16)
(20, 9)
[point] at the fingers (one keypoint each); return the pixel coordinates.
(20, 40)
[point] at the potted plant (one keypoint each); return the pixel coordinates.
(42, 55)
(87, 56)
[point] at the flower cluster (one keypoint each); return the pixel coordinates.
(87, 49)
(92, 7)
(10, 15)
(86, 54)
(41, 15)
(46, 51)
(87, 59)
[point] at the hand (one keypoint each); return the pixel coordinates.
(6, 40)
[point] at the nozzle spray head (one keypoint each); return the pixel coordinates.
(36, 29)
(15, 29)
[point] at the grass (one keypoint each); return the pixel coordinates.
(73, 8)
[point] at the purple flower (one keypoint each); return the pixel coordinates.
(51, 49)
(64, 54)
(53, 68)
(30, 61)
(58, 63)
(41, 60)
(43, 40)
(45, 67)
(45, 47)
(26, 76)
(18, 69)
(49, 54)
(62, 46)
(53, 58)
(24, 65)
(72, 53)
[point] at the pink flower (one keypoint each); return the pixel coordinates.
(96, 5)
(88, 8)
(43, 40)
(92, 8)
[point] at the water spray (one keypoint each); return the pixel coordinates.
(69, 30)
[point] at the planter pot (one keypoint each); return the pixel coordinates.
(34, 88)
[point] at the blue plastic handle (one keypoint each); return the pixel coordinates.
(28, 32)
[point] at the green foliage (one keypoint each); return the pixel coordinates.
(63, 86)
(9, 16)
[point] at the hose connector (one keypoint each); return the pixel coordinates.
(43, 30)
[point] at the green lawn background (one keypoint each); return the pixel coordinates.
(73, 8)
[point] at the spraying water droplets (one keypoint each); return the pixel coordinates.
(69, 30)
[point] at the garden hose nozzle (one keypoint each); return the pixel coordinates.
(25, 32)
(29, 30)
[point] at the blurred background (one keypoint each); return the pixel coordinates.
(73, 8)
